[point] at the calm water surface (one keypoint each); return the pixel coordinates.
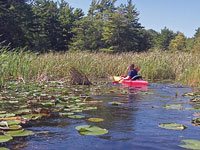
(133, 125)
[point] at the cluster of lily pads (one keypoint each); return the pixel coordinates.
(22, 103)
(189, 144)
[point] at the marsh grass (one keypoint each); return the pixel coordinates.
(13, 64)
(181, 66)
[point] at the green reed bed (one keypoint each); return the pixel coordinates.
(14, 65)
(180, 66)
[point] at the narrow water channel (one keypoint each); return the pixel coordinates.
(132, 125)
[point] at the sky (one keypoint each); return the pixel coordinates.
(176, 15)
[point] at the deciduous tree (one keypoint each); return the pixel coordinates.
(178, 43)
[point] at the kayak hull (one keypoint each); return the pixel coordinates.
(131, 83)
(135, 83)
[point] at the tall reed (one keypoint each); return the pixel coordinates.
(180, 66)
(13, 64)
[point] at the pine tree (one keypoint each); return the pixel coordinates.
(164, 38)
(197, 41)
(15, 20)
(122, 29)
(54, 22)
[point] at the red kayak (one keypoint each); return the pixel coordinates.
(130, 83)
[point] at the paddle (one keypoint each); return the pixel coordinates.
(116, 82)
(122, 77)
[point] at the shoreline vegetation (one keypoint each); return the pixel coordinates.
(48, 40)
(41, 40)
(182, 67)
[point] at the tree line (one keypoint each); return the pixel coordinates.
(46, 25)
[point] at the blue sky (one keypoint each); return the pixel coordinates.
(176, 15)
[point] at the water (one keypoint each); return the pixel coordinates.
(133, 125)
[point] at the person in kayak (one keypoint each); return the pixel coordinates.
(132, 72)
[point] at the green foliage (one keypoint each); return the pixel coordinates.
(15, 18)
(144, 40)
(40, 25)
(190, 44)
(163, 39)
(152, 37)
(191, 144)
(13, 64)
(197, 40)
(197, 44)
(87, 34)
(197, 34)
(54, 24)
(172, 126)
(178, 43)
(114, 30)
(110, 28)
(46, 25)
(25, 66)
(91, 130)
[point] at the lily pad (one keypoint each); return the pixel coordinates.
(195, 100)
(30, 117)
(3, 123)
(23, 111)
(190, 94)
(173, 106)
(172, 126)
(66, 114)
(91, 130)
(7, 115)
(74, 98)
(11, 127)
(115, 103)
(13, 122)
(18, 133)
(76, 108)
(90, 108)
(48, 104)
(191, 144)
(76, 116)
(2, 112)
(76, 111)
(196, 121)
(13, 102)
(34, 116)
(5, 138)
(66, 109)
(95, 119)
(15, 127)
(4, 148)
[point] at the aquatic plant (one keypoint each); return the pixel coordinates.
(191, 144)
(157, 65)
(91, 130)
(172, 126)
(23, 103)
